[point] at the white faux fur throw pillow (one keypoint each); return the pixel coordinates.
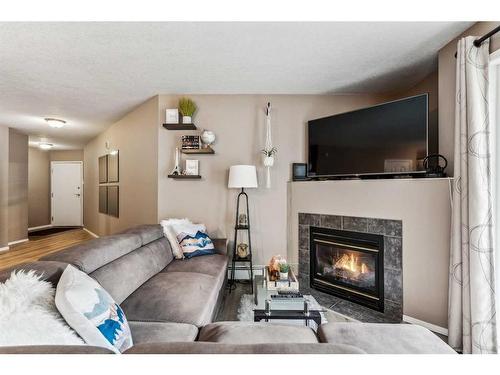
(169, 232)
(28, 315)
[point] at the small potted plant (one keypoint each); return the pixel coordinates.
(269, 156)
(187, 108)
(284, 268)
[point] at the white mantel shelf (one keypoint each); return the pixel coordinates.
(423, 179)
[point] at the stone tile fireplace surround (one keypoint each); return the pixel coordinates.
(391, 230)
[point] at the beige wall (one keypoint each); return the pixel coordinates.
(38, 187)
(66, 155)
(238, 122)
(136, 136)
(447, 94)
(424, 207)
(18, 186)
(4, 187)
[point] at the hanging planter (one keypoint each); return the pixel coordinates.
(269, 151)
(269, 156)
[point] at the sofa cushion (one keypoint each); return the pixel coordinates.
(91, 255)
(49, 271)
(179, 297)
(213, 265)
(147, 332)
(124, 275)
(214, 348)
(147, 232)
(384, 338)
(256, 333)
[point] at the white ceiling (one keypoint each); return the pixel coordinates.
(91, 74)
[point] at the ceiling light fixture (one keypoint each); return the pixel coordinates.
(45, 145)
(55, 122)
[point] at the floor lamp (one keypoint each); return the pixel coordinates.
(242, 177)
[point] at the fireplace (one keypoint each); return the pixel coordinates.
(348, 265)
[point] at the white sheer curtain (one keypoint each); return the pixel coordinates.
(494, 100)
(472, 299)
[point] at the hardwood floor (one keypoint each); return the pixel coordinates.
(37, 247)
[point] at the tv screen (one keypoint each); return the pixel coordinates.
(389, 138)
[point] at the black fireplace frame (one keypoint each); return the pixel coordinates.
(349, 292)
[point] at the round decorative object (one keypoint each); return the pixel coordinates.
(242, 250)
(268, 161)
(208, 137)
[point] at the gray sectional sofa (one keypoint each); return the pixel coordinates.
(171, 305)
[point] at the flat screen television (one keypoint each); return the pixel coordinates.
(386, 139)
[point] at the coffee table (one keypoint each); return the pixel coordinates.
(290, 309)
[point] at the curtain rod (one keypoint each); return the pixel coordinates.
(479, 41)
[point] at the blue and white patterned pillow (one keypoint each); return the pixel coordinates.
(194, 240)
(91, 311)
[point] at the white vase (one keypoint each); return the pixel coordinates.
(268, 161)
(186, 120)
(283, 275)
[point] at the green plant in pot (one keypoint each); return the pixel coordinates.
(284, 268)
(187, 108)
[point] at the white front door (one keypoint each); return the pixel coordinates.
(66, 193)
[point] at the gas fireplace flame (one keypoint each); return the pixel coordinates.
(350, 262)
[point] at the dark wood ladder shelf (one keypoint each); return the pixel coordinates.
(179, 126)
(184, 176)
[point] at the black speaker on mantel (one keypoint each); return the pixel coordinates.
(299, 172)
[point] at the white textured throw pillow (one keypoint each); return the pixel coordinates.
(169, 232)
(28, 315)
(91, 311)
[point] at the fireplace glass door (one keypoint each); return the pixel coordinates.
(348, 264)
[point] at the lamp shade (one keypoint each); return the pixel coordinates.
(242, 176)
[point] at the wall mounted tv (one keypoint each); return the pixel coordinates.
(384, 140)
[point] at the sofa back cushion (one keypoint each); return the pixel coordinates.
(49, 271)
(147, 232)
(124, 275)
(93, 254)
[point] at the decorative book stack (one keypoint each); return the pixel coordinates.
(190, 142)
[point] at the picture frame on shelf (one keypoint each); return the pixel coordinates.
(192, 167)
(172, 116)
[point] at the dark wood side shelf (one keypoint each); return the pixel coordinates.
(184, 176)
(179, 126)
(205, 151)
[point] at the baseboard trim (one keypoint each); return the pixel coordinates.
(5, 248)
(430, 326)
(17, 242)
(40, 227)
(91, 233)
